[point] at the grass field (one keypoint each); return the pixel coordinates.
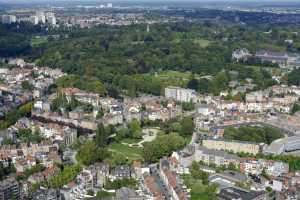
(202, 43)
(175, 78)
(131, 153)
(130, 141)
(38, 40)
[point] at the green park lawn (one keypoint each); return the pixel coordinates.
(175, 78)
(38, 40)
(131, 153)
(202, 42)
(130, 141)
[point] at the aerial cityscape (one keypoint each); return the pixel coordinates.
(149, 100)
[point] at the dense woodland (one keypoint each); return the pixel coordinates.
(110, 60)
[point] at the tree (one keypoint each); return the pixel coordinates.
(198, 174)
(294, 77)
(26, 135)
(118, 159)
(204, 86)
(100, 113)
(103, 194)
(30, 171)
(232, 167)
(27, 86)
(176, 127)
(119, 183)
(187, 126)
(220, 82)
(295, 108)
(203, 192)
(68, 174)
(89, 153)
(6, 170)
(101, 136)
(193, 84)
(162, 146)
(121, 134)
(253, 134)
(188, 106)
(59, 102)
(135, 129)
(12, 116)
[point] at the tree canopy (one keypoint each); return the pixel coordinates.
(257, 134)
(163, 145)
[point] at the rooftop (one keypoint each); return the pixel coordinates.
(238, 193)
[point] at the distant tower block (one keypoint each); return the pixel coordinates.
(148, 28)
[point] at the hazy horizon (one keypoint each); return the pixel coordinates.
(148, 1)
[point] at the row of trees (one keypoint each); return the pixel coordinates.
(257, 134)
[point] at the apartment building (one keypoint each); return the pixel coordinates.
(234, 146)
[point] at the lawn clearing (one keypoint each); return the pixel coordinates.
(202, 42)
(175, 78)
(38, 40)
(130, 141)
(131, 153)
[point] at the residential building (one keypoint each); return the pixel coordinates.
(217, 157)
(173, 182)
(125, 193)
(9, 189)
(113, 119)
(18, 62)
(231, 193)
(50, 18)
(234, 146)
(9, 19)
(100, 172)
(121, 171)
(85, 180)
(183, 159)
(283, 145)
(45, 194)
(82, 96)
(275, 168)
(205, 109)
(256, 167)
(281, 58)
(240, 54)
(227, 178)
(41, 17)
(153, 189)
(58, 132)
(180, 94)
(132, 111)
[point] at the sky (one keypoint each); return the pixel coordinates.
(147, 1)
(182, 1)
